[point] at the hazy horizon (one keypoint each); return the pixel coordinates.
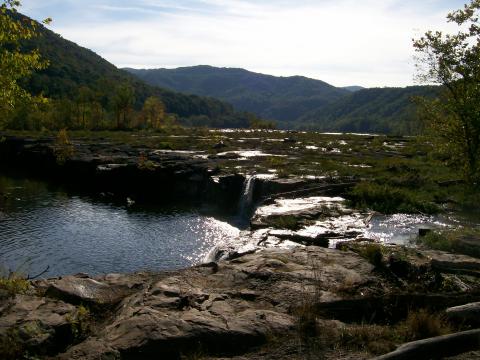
(343, 43)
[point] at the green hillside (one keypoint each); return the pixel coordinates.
(298, 102)
(378, 110)
(279, 98)
(74, 71)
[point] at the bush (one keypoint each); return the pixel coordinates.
(13, 283)
(389, 200)
(63, 148)
(373, 253)
(461, 241)
(421, 324)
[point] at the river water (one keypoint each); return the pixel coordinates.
(45, 227)
(42, 227)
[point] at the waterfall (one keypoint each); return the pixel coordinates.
(246, 198)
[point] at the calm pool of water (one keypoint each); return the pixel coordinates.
(41, 226)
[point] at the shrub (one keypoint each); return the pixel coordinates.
(13, 283)
(80, 322)
(372, 338)
(389, 200)
(11, 347)
(63, 148)
(373, 253)
(462, 241)
(422, 324)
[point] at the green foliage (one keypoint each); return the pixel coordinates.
(145, 164)
(376, 110)
(15, 64)
(453, 60)
(461, 241)
(80, 322)
(269, 97)
(11, 346)
(389, 200)
(13, 285)
(256, 123)
(87, 92)
(63, 148)
(153, 113)
(373, 253)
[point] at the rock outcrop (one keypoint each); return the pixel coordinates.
(224, 308)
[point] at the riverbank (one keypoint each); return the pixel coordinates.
(305, 301)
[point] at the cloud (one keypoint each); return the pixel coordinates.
(343, 42)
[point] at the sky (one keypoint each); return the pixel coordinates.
(342, 42)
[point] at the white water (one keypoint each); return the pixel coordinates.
(246, 198)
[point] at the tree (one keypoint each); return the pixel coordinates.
(153, 113)
(15, 64)
(453, 61)
(123, 102)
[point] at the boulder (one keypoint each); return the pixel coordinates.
(36, 324)
(81, 290)
(465, 314)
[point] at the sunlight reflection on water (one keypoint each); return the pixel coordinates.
(40, 227)
(402, 228)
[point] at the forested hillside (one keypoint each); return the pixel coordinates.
(270, 97)
(378, 110)
(88, 91)
(298, 102)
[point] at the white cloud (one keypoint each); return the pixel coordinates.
(343, 42)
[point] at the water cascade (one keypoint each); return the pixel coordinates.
(246, 198)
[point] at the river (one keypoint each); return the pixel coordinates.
(45, 227)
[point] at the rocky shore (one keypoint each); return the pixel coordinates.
(303, 282)
(234, 307)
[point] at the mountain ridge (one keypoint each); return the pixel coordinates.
(268, 96)
(297, 102)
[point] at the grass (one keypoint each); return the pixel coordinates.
(461, 241)
(373, 253)
(13, 283)
(80, 322)
(388, 199)
(422, 324)
(11, 346)
(320, 336)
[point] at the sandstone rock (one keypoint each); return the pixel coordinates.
(465, 314)
(79, 290)
(437, 347)
(228, 310)
(38, 324)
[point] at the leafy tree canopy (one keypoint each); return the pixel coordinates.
(15, 64)
(453, 60)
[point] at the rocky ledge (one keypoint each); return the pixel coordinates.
(233, 307)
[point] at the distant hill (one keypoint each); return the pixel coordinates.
(72, 67)
(298, 102)
(377, 110)
(353, 88)
(279, 98)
